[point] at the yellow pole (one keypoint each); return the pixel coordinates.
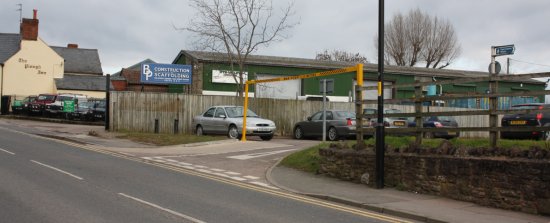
(245, 108)
(360, 74)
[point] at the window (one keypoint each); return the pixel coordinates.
(210, 112)
(316, 116)
(220, 112)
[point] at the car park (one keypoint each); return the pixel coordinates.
(534, 118)
(38, 106)
(22, 106)
(228, 120)
(339, 124)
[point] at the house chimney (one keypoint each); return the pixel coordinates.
(72, 45)
(29, 28)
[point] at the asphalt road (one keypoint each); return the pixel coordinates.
(47, 181)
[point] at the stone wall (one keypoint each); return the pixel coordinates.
(519, 184)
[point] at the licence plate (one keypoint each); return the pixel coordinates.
(263, 129)
(518, 122)
(399, 123)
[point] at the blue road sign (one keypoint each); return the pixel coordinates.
(155, 73)
(504, 50)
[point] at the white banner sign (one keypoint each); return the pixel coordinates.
(227, 76)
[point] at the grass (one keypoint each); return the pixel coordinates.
(308, 160)
(167, 139)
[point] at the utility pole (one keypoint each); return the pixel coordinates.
(380, 144)
(20, 12)
(508, 65)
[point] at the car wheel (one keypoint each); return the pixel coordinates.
(332, 134)
(298, 133)
(429, 135)
(266, 138)
(233, 133)
(199, 131)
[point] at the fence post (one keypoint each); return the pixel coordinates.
(359, 117)
(418, 111)
(493, 118)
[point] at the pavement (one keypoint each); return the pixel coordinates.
(417, 207)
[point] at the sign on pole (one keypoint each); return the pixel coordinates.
(155, 73)
(504, 50)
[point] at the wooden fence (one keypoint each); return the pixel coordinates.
(137, 111)
(492, 116)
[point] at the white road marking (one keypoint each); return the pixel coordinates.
(3, 150)
(184, 163)
(221, 175)
(204, 171)
(232, 173)
(188, 167)
(217, 170)
(56, 169)
(252, 177)
(163, 209)
(171, 160)
(256, 155)
(127, 154)
(264, 185)
(238, 178)
(199, 166)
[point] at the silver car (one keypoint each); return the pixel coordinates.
(228, 120)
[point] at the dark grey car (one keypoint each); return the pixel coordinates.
(340, 124)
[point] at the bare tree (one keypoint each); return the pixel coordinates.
(442, 46)
(341, 55)
(419, 38)
(238, 28)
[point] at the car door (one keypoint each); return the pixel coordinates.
(207, 120)
(219, 121)
(313, 127)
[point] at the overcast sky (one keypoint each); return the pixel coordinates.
(128, 31)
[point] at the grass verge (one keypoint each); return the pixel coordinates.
(166, 139)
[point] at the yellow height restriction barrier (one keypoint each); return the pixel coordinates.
(357, 68)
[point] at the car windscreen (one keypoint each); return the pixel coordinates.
(89, 104)
(45, 97)
(345, 114)
(446, 118)
(64, 98)
(236, 112)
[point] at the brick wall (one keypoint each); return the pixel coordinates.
(519, 184)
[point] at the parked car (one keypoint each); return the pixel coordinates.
(339, 124)
(228, 120)
(98, 111)
(83, 111)
(56, 109)
(389, 122)
(534, 118)
(39, 104)
(22, 106)
(441, 122)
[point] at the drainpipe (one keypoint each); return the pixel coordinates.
(1, 85)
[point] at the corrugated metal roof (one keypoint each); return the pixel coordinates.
(319, 64)
(9, 45)
(80, 61)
